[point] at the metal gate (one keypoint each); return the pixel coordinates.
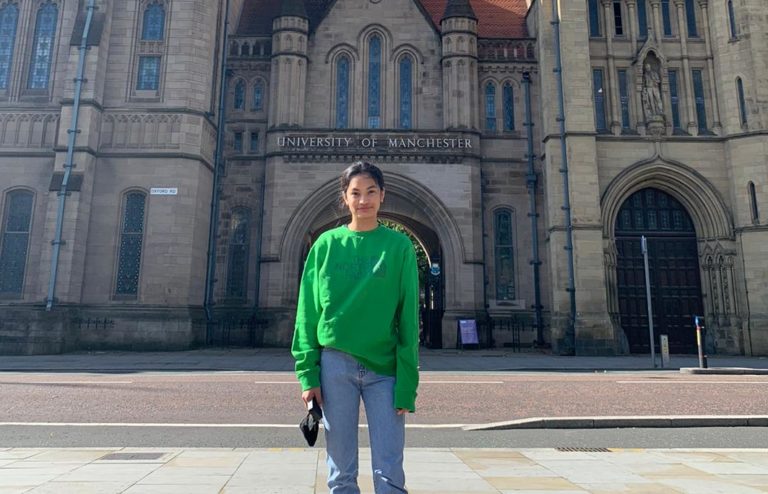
(674, 271)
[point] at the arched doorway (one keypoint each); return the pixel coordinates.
(674, 271)
(429, 254)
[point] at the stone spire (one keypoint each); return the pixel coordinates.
(459, 8)
(293, 8)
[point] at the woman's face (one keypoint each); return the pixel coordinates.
(363, 197)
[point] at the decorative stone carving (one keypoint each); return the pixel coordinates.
(652, 102)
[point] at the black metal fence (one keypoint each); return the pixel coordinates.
(516, 331)
(235, 330)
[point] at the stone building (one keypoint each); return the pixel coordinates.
(531, 228)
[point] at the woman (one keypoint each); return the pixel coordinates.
(357, 335)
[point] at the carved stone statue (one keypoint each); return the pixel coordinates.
(652, 103)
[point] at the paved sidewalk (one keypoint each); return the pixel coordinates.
(429, 471)
(279, 359)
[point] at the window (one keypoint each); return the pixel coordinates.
(239, 102)
(690, 15)
(406, 92)
(742, 101)
(509, 107)
(131, 240)
(258, 96)
(594, 19)
(149, 74)
(624, 99)
(618, 21)
(732, 20)
(239, 245)
(238, 142)
(753, 204)
(342, 93)
(666, 17)
(42, 49)
(674, 98)
(599, 97)
(642, 19)
(504, 255)
(9, 16)
(154, 23)
(254, 142)
(374, 82)
(15, 241)
(490, 107)
(698, 92)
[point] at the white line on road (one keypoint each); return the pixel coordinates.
(207, 426)
(66, 382)
(422, 382)
(692, 382)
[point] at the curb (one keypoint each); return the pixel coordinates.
(724, 371)
(625, 422)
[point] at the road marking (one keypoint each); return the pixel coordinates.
(66, 382)
(205, 426)
(421, 382)
(692, 382)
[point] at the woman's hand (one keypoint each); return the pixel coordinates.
(312, 393)
(402, 411)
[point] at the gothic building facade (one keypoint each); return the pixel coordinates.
(133, 218)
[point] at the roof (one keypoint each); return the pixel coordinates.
(496, 18)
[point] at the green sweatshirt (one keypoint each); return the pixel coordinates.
(360, 295)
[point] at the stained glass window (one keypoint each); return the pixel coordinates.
(698, 92)
(154, 23)
(624, 99)
(131, 240)
(258, 96)
(9, 16)
(599, 96)
(642, 19)
(42, 50)
(742, 101)
(490, 107)
(342, 93)
(406, 92)
(149, 74)
(239, 245)
(690, 13)
(675, 100)
(15, 241)
(652, 210)
(239, 102)
(374, 82)
(594, 19)
(732, 19)
(666, 17)
(509, 107)
(505, 266)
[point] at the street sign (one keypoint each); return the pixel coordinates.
(468, 332)
(164, 191)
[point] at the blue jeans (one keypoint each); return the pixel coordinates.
(343, 382)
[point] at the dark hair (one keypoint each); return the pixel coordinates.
(361, 168)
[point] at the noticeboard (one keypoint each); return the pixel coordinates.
(468, 332)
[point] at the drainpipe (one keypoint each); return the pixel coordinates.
(569, 345)
(210, 274)
(531, 181)
(68, 165)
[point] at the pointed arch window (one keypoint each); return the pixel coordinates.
(490, 107)
(15, 241)
(42, 48)
(131, 241)
(753, 203)
(239, 246)
(690, 15)
(153, 26)
(239, 102)
(406, 92)
(9, 18)
(342, 92)
(504, 255)
(666, 17)
(258, 96)
(374, 82)
(642, 19)
(732, 20)
(594, 19)
(742, 101)
(509, 107)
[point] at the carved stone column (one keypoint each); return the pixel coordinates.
(610, 77)
(633, 35)
(716, 125)
(690, 102)
(656, 9)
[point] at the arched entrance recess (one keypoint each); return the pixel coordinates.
(673, 265)
(702, 203)
(407, 202)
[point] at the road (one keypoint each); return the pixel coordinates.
(261, 409)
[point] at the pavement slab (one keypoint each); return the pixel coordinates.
(428, 470)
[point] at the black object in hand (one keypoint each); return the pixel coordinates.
(310, 424)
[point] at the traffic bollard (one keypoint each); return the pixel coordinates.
(699, 341)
